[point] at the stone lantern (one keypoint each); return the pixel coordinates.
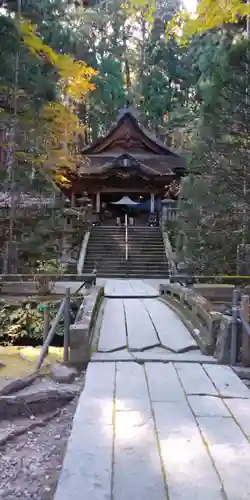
(85, 205)
(168, 209)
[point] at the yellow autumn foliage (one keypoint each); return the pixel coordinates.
(209, 14)
(56, 116)
(76, 76)
(61, 180)
(133, 7)
(57, 125)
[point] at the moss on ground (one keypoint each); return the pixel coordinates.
(20, 362)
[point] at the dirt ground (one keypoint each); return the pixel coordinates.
(30, 464)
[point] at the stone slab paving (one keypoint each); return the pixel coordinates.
(129, 288)
(122, 355)
(155, 430)
(141, 287)
(135, 387)
(143, 432)
(140, 324)
(208, 406)
(195, 380)
(189, 471)
(240, 409)
(173, 334)
(113, 328)
(140, 329)
(137, 465)
(168, 386)
(231, 454)
(154, 354)
(160, 354)
(227, 382)
(87, 466)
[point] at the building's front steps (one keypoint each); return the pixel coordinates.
(107, 253)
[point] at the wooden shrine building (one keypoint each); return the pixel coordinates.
(128, 162)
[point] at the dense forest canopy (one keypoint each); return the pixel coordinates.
(67, 67)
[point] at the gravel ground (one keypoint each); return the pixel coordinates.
(30, 464)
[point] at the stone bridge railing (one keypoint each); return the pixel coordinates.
(81, 332)
(169, 252)
(224, 333)
(196, 312)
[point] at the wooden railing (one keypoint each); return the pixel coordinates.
(77, 336)
(49, 333)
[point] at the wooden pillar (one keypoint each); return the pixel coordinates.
(152, 203)
(98, 202)
(73, 200)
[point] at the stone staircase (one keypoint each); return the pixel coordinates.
(146, 253)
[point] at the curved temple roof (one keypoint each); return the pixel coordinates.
(129, 139)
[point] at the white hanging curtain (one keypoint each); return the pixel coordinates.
(125, 200)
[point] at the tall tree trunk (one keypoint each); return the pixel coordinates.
(10, 255)
(128, 83)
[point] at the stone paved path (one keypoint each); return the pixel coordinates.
(158, 430)
(129, 288)
(138, 321)
(140, 324)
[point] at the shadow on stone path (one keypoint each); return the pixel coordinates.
(156, 430)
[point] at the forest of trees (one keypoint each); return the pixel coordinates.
(66, 68)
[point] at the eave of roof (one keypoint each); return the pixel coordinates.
(129, 113)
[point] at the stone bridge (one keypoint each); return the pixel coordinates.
(157, 419)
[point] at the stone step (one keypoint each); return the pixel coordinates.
(130, 262)
(120, 252)
(125, 269)
(106, 251)
(131, 233)
(153, 276)
(121, 255)
(130, 238)
(139, 241)
(125, 265)
(121, 258)
(122, 230)
(134, 232)
(121, 249)
(141, 273)
(121, 246)
(130, 227)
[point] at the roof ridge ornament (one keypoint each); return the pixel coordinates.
(128, 109)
